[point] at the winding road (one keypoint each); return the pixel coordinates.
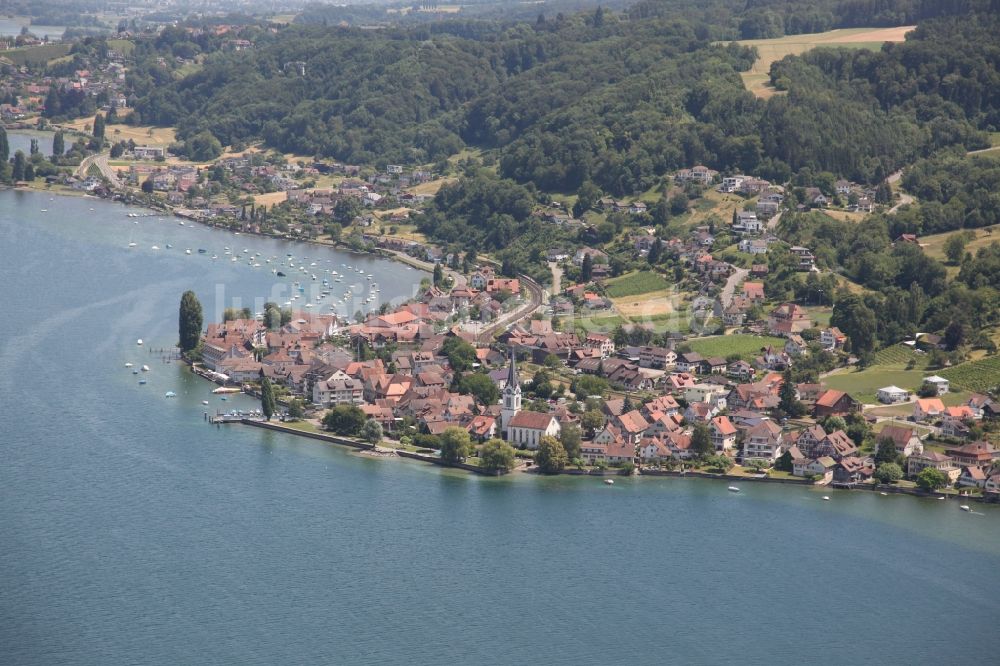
(101, 162)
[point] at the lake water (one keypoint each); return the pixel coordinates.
(21, 140)
(12, 28)
(132, 532)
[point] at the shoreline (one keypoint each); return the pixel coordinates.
(390, 255)
(393, 453)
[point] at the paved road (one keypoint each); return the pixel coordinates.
(772, 224)
(101, 162)
(737, 276)
(904, 198)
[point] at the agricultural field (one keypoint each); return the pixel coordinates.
(597, 324)
(933, 246)
(980, 376)
(714, 203)
(640, 309)
(863, 384)
(35, 54)
(634, 284)
(143, 135)
(431, 186)
(896, 365)
(270, 198)
(746, 346)
(820, 314)
(757, 79)
(123, 45)
(900, 355)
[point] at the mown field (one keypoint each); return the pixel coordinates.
(897, 365)
(634, 284)
(757, 80)
(933, 246)
(980, 376)
(747, 346)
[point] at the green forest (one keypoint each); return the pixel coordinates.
(616, 100)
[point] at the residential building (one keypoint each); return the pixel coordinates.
(939, 383)
(928, 409)
(835, 403)
(939, 461)
(763, 442)
(723, 433)
(892, 394)
(906, 440)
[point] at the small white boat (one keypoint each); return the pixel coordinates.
(169, 394)
(609, 482)
(155, 247)
(965, 507)
(132, 244)
(884, 494)
(826, 498)
(204, 402)
(733, 489)
(128, 365)
(45, 210)
(941, 498)
(139, 342)
(145, 368)
(187, 251)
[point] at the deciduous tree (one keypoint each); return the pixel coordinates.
(497, 456)
(455, 444)
(551, 456)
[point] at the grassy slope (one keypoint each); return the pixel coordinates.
(747, 346)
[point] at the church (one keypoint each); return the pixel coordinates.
(520, 428)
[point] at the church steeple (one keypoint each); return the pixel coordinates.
(512, 369)
(511, 394)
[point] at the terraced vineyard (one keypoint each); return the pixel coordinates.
(898, 355)
(980, 376)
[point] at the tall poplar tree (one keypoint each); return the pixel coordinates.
(19, 162)
(99, 127)
(58, 144)
(189, 321)
(268, 405)
(4, 146)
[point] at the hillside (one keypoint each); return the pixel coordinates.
(590, 97)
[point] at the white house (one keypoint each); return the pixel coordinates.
(723, 433)
(939, 383)
(340, 388)
(892, 394)
(755, 246)
(763, 442)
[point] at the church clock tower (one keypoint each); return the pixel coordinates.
(511, 394)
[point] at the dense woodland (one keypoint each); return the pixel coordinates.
(588, 98)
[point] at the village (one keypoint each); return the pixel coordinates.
(613, 408)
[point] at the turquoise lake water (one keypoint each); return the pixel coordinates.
(132, 532)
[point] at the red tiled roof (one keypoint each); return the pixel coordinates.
(532, 420)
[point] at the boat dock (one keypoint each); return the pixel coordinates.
(234, 417)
